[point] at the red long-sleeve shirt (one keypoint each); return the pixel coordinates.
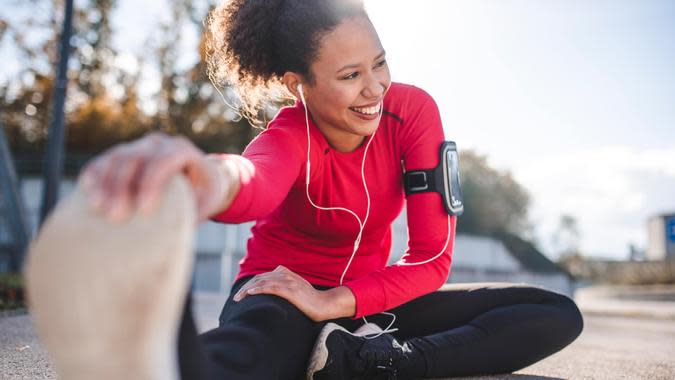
(317, 244)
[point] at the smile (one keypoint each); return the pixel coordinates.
(367, 110)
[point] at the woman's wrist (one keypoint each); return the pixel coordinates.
(339, 302)
(227, 180)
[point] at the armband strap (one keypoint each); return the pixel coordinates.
(419, 181)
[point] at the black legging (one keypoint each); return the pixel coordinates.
(461, 329)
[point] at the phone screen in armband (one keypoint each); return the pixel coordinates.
(453, 190)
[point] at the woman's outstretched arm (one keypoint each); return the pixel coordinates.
(131, 176)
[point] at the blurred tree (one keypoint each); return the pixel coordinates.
(94, 54)
(104, 105)
(188, 103)
(25, 97)
(3, 28)
(566, 237)
(494, 203)
(24, 111)
(26, 100)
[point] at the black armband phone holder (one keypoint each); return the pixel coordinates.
(443, 179)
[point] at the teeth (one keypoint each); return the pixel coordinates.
(368, 110)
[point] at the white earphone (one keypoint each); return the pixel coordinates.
(358, 220)
(361, 223)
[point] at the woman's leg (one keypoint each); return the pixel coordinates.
(106, 297)
(192, 359)
(259, 337)
(487, 328)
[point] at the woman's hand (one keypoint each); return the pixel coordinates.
(318, 305)
(132, 175)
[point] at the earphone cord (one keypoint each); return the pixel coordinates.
(357, 242)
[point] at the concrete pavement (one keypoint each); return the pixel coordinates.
(647, 301)
(612, 346)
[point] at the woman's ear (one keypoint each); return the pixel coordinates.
(292, 81)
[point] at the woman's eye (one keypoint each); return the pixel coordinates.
(356, 73)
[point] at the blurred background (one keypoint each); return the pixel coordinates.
(563, 114)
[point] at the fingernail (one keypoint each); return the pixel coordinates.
(87, 182)
(145, 205)
(117, 213)
(96, 200)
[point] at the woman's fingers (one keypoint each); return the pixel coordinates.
(281, 282)
(157, 172)
(110, 179)
(123, 186)
(90, 179)
(241, 293)
(292, 287)
(132, 176)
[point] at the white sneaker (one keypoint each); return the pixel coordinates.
(368, 329)
(107, 297)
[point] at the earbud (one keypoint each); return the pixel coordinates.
(302, 96)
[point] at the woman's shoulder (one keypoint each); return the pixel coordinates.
(289, 121)
(285, 129)
(288, 128)
(291, 116)
(404, 98)
(402, 91)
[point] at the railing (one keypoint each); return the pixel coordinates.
(13, 210)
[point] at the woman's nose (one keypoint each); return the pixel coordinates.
(374, 87)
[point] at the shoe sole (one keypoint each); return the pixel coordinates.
(106, 297)
(317, 360)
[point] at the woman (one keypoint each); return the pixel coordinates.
(324, 183)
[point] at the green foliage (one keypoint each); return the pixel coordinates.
(11, 291)
(104, 107)
(494, 203)
(13, 280)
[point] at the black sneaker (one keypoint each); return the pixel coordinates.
(341, 355)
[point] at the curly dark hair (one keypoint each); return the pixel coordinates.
(250, 44)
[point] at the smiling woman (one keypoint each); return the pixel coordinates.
(324, 182)
(333, 67)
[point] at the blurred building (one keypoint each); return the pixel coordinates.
(475, 258)
(220, 247)
(486, 259)
(661, 237)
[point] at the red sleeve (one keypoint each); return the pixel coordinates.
(429, 226)
(273, 160)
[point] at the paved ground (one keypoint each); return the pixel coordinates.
(615, 344)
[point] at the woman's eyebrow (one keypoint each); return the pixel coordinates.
(356, 65)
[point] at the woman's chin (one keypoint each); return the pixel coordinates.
(366, 127)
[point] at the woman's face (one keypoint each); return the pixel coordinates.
(351, 77)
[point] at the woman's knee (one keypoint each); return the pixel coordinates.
(567, 314)
(262, 327)
(575, 320)
(564, 316)
(263, 310)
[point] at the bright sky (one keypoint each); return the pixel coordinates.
(574, 97)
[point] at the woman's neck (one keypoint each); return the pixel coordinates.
(341, 141)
